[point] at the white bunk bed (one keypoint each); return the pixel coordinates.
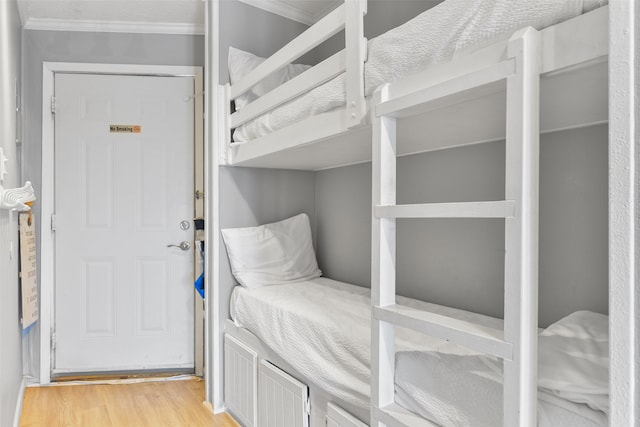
(341, 136)
(566, 62)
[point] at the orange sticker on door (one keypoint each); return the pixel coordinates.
(125, 128)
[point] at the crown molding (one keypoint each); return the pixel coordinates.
(113, 26)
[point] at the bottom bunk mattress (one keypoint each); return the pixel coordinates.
(321, 327)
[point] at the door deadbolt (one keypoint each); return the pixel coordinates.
(185, 225)
(185, 246)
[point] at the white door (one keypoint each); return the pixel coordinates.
(123, 185)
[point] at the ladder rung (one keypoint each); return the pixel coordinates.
(476, 84)
(471, 335)
(493, 209)
(396, 416)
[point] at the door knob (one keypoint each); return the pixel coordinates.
(185, 246)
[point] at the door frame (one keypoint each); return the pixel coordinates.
(47, 200)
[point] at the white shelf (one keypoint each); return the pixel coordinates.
(471, 335)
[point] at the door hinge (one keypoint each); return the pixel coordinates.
(53, 340)
(53, 104)
(53, 222)
(307, 406)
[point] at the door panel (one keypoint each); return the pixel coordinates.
(123, 299)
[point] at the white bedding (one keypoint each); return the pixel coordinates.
(432, 37)
(322, 329)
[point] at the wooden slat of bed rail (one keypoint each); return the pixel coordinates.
(471, 335)
(315, 76)
(312, 37)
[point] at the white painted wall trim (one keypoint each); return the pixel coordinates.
(112, 26)
(47, 244)
(47, 260)
(214, 135)
(624, 180)
(211, 64)
(18, 413)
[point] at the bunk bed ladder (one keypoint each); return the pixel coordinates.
(517, 343)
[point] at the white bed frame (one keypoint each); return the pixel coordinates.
(343, 137)
(560, 72)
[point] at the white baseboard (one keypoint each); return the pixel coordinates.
(220, 410)
(18, 413)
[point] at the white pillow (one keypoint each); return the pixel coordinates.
(241, 63)
(272, 254)
(573, 359)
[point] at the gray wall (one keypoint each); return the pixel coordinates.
(382, 15)
(343, 210)
(10, 342)
(85, 47)
(254, 30)
(250, 197)
(256, 196)
(460, 263)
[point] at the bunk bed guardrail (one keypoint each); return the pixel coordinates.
(350, 60)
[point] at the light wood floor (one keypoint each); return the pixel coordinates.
(167, 403)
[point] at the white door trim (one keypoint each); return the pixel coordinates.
(47, 247)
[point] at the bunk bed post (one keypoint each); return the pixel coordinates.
(213, 395)
(356, 48)
(521, 230)
(383, 265)
(624, 215)
(217, 304)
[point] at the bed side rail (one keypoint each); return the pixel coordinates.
(348, 16)
(317, 75)
(309, 39)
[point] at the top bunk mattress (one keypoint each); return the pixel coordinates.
(322, 329)
(435, 36)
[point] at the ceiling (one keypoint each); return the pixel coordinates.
(149, 16)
